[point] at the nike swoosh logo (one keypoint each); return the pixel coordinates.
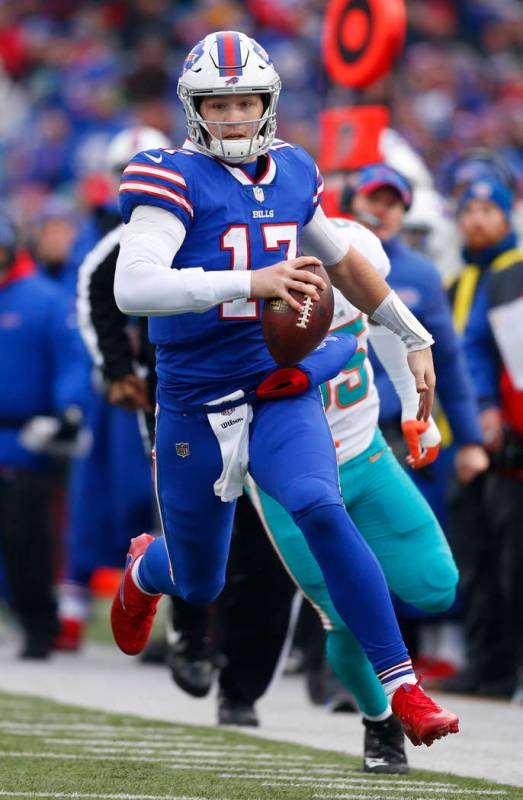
(156, 159)
(376, 456)
(375, 762)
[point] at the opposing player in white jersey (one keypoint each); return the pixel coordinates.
(388, 509)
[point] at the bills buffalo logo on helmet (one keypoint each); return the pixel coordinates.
(260, 51)
(194, 56)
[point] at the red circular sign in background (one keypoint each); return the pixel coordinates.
(361, 39)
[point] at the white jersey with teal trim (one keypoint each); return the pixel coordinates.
(351, 398)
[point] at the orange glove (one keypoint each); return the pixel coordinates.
(423, 440)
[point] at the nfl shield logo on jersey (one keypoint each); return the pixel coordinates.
(182, 449)
(258, 193)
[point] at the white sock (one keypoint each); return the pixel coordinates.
(391, 686)
(380, 717)
(393, 677)
(74, 601)
(136, 579)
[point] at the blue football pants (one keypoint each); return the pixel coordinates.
(292, 459)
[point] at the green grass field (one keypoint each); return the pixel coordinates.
(49, 750)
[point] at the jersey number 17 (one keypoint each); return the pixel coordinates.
(236, 239)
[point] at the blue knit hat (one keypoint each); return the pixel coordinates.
(491, 189)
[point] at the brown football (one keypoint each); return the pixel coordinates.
(290, 335)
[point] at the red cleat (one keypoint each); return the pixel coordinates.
(133, 611)
(422, 719)
(70, 636)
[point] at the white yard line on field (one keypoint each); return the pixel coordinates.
(215, 749)
(426, 789)
(79, 736)
(108, 730)
(269, 772)
(217, 757)
(68, 724)
(206, 756)
(219, 770)
(477, 796)
(191, 764)
(372, 797)
(389, 782)
(98, 731)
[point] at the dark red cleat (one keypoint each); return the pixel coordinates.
(422, 719)
(133, 611)
(70, 636)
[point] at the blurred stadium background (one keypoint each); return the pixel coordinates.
(73, 74)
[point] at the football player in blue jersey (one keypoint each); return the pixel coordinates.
(211, 229)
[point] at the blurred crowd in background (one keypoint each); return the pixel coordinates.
(73, 75)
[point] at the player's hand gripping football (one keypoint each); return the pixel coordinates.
(422, 367)
(278, 279)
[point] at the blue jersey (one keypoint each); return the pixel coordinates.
(233, 220)
(43, 365)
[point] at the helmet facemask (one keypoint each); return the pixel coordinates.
(232, 151)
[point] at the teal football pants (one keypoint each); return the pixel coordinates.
(401, 529)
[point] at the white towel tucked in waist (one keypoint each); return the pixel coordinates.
(231, 428)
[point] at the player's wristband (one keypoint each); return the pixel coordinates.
(393, 314)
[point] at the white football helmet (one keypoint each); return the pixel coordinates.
(131, 141)
(229, 62)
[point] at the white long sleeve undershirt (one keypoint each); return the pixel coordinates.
(393, 355)
(321, 238)
(145, 284)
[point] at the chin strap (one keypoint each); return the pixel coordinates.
(236, 150)
(283, 382)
